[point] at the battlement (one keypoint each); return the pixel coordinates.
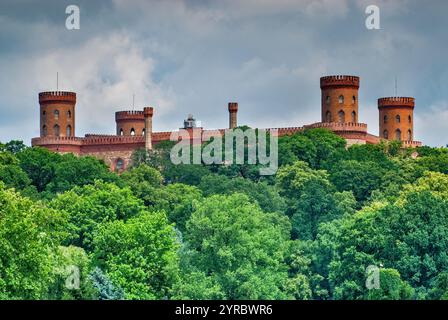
(56, 141)
(396, 102)
(337, 127)
(339, 81)
(411, 144)
(233, 106)
(129, 115)
(57, 96)
(148, 111)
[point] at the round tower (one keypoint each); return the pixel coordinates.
(57, 113)
(396, 118)
(130, 123)
(233, 111)
(339, 98)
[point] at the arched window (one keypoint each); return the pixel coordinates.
(386, 134)
(132, 132)
(143, 132)
(69, 114)
(341, 99)
(354, 117)
(119, 164)
(56, 130)
(44, 131)
(409, 135)
(69, 131)
(44, 116)
(353, 99)
(341, 116)
(386, 119)
(327, 100)
(328, 116)
(409, 119)
(397, 118)
(56, 114)
(121, 132)
(398, 134)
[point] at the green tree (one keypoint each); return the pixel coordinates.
(138, 255)
(239, 249)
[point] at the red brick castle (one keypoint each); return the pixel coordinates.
(134, 128)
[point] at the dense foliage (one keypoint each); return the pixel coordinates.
(71, 229)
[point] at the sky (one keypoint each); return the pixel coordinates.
(193, 57)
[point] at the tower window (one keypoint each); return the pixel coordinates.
(354, 117)
(121, 132)
(143, 131)
(341, 99)
(409, 119)
(386, 134)
(398, 134)
(69, 114)
(353, 99)
(341, 116)
(69, 131)
(397, 118)
(409, 135)
(132, 132)
(56, 130)
(386, 119)
(327, 100)
(328, 116)
(44, 116)
(44, 131)
(56, 114)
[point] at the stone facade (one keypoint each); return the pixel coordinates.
(339, 110)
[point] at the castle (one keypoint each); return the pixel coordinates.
(339, 107)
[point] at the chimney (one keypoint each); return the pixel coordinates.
(148, 112)
(233, 110)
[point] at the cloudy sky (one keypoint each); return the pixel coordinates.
(187, 56)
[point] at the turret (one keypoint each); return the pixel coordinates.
(396, 118)
(57, 114)
(233, 111)
(130, 123)
(339, 98)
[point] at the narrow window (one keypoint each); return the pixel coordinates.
(143, 132)
(409, 135)
(398, 134)
(56, 114)
(398, 119)
(44, 116)
(341, 116)
(386, 119)
(386, 134)
(69, 131)
(44, 131)
(341, 99)
(56, 130)
(353, 99)
(328, 116)
(327, 100)
(410, 119)
(69, 114)
(132, 132)
(119, 165)
(354, 117)
(121, 132)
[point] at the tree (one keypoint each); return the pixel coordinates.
(91, 205)
(29, 236)
(138, 255)
(239, 249)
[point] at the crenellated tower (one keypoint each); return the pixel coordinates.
(233, 112)
(130, 123)
(396, 118)
(57, 114)
(339, 98)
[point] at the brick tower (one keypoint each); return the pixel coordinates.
(233, 111)
(57, 114)
(130, 123)
(148, 113)
(397, 118)
(339, 98)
